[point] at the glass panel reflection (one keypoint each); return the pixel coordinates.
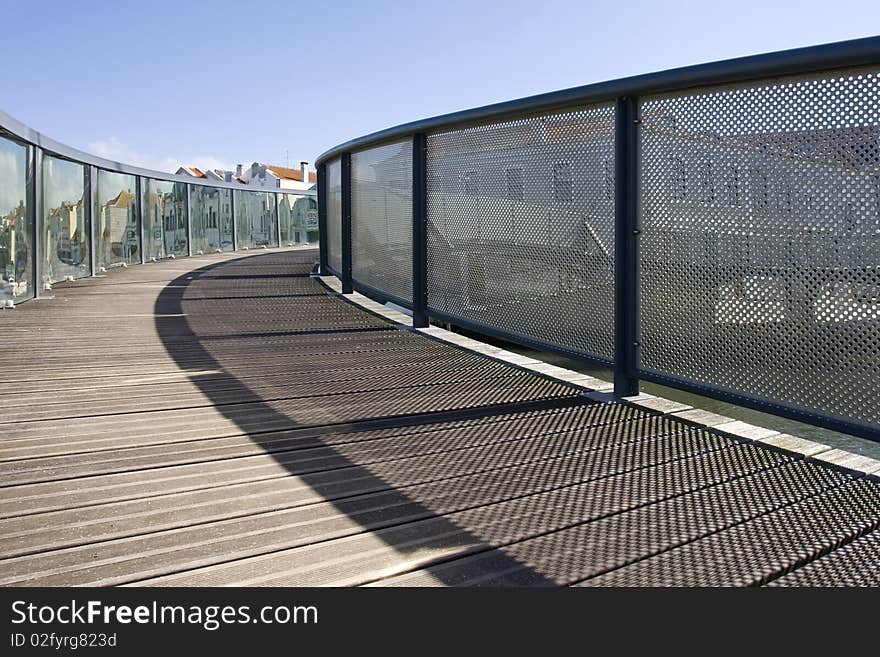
(16, 234)
(298, 216)
(117, 240)
(257, 219)
(65, 224)
(211, 209)
(164, 205)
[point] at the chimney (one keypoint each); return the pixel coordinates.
(304, 171)
(238, 170)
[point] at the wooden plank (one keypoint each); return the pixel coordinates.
(224, 419)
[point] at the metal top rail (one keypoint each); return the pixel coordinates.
(857, 52)
(27, 134)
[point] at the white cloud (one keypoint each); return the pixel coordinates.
(113, 149)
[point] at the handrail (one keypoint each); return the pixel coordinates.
(27, 134)
(857, 52)
(815, 280)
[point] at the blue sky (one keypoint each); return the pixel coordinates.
(216, 83)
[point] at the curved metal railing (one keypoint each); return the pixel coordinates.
(714, 228)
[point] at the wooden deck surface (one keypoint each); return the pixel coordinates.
(225, 420)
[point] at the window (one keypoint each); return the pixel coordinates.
(562, 183)
(471, 183)
(515, 184)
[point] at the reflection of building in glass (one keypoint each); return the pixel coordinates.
(117, 226)
(164, 207)
(257, 219)
(298, 216)
(173, 222)
(211, 210)
(16, 231)
(64, 224)
(67, 241)
(14, 253)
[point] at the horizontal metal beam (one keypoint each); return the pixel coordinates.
(770, 406)
(24, 133)
(521, 340)
(379, 295)
(858, 52)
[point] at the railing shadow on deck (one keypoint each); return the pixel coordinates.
(172, 300)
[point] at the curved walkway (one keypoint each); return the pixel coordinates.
(229, 420)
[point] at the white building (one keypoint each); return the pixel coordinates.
(273, 176)
(259, 174)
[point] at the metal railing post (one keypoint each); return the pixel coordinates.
(189, 227)
(347, 286)
(139, 204)
(93, 219)
(420, 230)
(277, 218)
(322, 219)
(233, 212)
(35, 200)
(626, 244)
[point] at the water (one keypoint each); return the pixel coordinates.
(810, 432)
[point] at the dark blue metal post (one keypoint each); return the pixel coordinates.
(347, 286)
(626, 244)
(322, 219)
(420, 230)
(34, 191)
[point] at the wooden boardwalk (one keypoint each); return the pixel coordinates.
(225, 420)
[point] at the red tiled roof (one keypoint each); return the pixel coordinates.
(291, 174)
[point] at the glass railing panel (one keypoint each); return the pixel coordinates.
(257, 220)
(16, 233)
(117, 233)
(211, 212)
(164, 205)
(65, 221)
(285, 223)
(298, 216)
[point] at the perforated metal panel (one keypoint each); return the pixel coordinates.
(761, 240)
(381, 218)
(521, 227)
(334, 215)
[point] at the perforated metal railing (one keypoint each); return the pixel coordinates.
(521, 227)
(381, 218)
(760, 252)
(714, 228)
